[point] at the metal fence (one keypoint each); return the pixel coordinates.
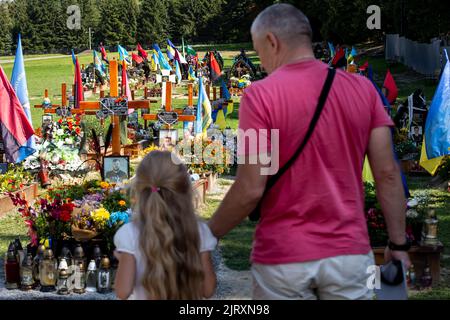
(424, 58)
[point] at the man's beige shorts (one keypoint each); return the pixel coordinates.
(338, 278)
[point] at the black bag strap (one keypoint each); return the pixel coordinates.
(321, 104)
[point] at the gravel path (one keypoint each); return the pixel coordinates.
(231, 285)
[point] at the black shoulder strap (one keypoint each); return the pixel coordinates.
(321, 104)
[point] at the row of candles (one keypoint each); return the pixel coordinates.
(63, 275)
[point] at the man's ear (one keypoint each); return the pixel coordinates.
(273, 41)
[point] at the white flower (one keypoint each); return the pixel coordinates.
(411, 213)
(68, 141)
(60, 132)
(413, 203)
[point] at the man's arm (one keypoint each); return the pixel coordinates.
(242, 198)
(390, 192)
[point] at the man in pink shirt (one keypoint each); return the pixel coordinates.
(312, 239)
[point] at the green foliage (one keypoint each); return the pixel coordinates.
(153, 21)
(43, 22)
(5, 30)
(444, 170)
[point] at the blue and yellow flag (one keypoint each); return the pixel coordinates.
(204, 111)
(436, 145)
(98, 64)
(191, 74)
(332, 50)
(123, 54)
(164, 64)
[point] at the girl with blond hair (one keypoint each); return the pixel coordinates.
(165, 252)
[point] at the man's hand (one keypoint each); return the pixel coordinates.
(403, 256)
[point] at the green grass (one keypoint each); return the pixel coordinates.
(11, 227)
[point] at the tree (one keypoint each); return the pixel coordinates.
(112, 24)
(153, 22)
(5, 31)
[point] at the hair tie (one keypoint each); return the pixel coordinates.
(155, 189)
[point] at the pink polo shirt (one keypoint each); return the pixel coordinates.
(316, 210)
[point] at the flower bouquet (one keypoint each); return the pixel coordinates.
(89, 222)
(47, 218)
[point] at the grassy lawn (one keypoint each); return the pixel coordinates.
(12, 227)
(51, 73)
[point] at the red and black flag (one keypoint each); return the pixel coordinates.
(391, 88)
(142, 52)
(14, 125)
(215, 68)
(339, 60)
(136, 58)
(79, 91)
(104, 55)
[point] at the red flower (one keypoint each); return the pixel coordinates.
(60, 121)
(78, 131)
(65, 216)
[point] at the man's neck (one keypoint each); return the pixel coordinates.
(296, 56)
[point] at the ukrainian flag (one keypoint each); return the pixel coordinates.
(191, 75)
(164, 64)
(123, 54)
(436, 145)
(204, 110)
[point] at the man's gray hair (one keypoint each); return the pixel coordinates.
(287, 22)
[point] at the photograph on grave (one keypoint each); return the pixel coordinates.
(116, 169)
(47, 119)
(188, 130)
(416, 134)
(168, 138)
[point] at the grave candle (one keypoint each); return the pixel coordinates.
(12, 271)
(26, 273)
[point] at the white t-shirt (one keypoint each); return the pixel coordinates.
(126, 240)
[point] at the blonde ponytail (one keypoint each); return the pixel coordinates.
(169, 238)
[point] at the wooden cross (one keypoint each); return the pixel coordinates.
(167, 105)
(54, 107)
(165, 78)
(92, 107)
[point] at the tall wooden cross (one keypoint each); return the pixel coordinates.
(102, 106)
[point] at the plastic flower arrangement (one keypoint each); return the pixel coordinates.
(214, 157)
(15, 179)
(59, 146)
(376, 223)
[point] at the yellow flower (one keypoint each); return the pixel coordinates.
(122, 203)
(104, 185)
(100, 215)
